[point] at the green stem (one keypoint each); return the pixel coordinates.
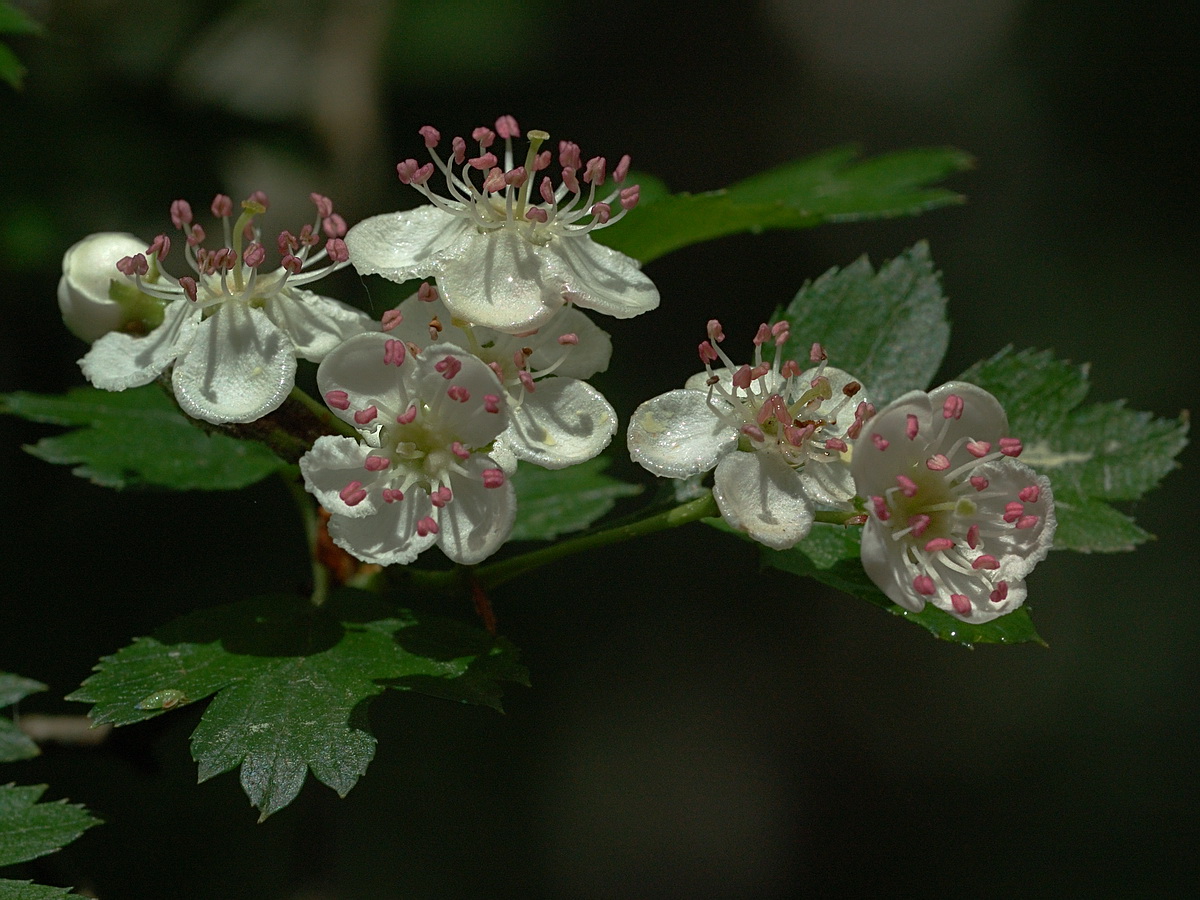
(491, 576)
(308, 514)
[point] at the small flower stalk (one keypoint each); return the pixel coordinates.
(954, 519)
(508, 244)
(231, 331)
(555, 418)
(778, 437)
(420, 474)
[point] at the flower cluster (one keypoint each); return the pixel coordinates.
(232, 330)
(509, 246)
(955, 520)
(776, 435)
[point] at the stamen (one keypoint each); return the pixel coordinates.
(986, 561)
(961, 604)
(426, 527)
(393, 351)
(492, 478)
(1030, 494)
(376, 463)
(353, 493)
(459, 393)
(336, 399)
(923, 584)
(912, 427)
(365, 416)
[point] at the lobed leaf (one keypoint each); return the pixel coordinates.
(887, 328)
(1092, 454)
(14, 743)
(29, 829)
(137, 438)
(293, 682)
(833, 186)
(551, 502)
(24, 890)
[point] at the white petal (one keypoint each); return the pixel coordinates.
(500, 280)
(562, 423)
(118, 361)
(331, 464)
(415, 325)
(314, 323)
(828, 483)
(477, 521)
(875, 470)
(677, 434)
(761, 494)
(390, 536)
(239, 367)
(89, 267)
(404, 245)
(883, 561)
(604, 279)
(357, 367)
(1018, 549)
(582, 360)
(466, 421)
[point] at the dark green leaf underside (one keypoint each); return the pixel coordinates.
(551, 502)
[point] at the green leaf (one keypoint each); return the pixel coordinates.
(15, 744)
(551, 502)
(834, 186)
(1092, 454)
(29, 829)
(13, 21)
(847, 575)
(888, 329)
(137, 438)
(293, 682)
(24, 890)
(11, 70)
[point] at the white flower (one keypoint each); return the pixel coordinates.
(954, 519)
(421, 475)
(93, 297)
(232, 331)
(555, 418)
(777, 436)
(509, 251)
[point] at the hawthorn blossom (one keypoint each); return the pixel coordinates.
(555, 418)
(509, 250)
(94, 298)
(232, 331)
(777, 437)
(420, 474)
(954, 520)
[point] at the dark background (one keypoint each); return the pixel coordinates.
(695, 728)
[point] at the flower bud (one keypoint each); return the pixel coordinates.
(93, 296)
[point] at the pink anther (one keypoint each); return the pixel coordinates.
(912, 426)
(376, 463)
(497, 369)
(224, 258)
(334, 226)
(836, 444)
(308, 237)
(985, 561)
(937, 463)
(324, 204)
(431, 135)
(1030, 494)
(918, 524)
(973, 536)
(408, 416)
(458, 393)
(394, 352)
(1013, 511)
(939, 544)
(258, 198)
(181, 214)
(526, 380)
(537, 214)
(541, 161)
(353, 493)
(546, 189)
(594, 173)
(1011, 446)
(160, 247)
(484, 135)
(506, 127)
(908, 487)
(292, 264)
(622, 168)
(406, 169)
(391, 495)
(760, 371)
(448, 366)
(515, 177)
(337, 399)
(287, 243)
(602, 212)
(441, 496)
(979, 449)
(484, 163)
(881, 509)
(961, 604)
(491, 403)
(492, 478)
(741, 378)
(880, 441)
(1000, 594)
(978, 482)
(569, 155)
(222, 206)
(753, 432)
(457, 448)
(390, 319)
(569, 339)
(816, 353)
(953, 407)
(762, 335)
(923, 584)
(571, 180)
(774, 408)
(195, 236)
(133, 265)
(426, 527)
(459, 148)
(365, 416)
(790, 369)
(188, 283)
(1026, 521)
(255, 254)
(715, 331)
(494, 182)
(427, 293)
(630, 196)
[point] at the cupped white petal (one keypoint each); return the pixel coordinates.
(357, 367)
(89, 267)
(458, 403)
(1018, 549)
(562, 423)
(404, 245)
(983, 418)
(875, 465)
(760, 494)
(677, 434)
(582, 360)
(478, 520)
(603, 279)
(118, 361)
(883, 561)
(828, 482)
(390, 536)
(314, 323)
(238, 367)
(499, 280)
(333, 463)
